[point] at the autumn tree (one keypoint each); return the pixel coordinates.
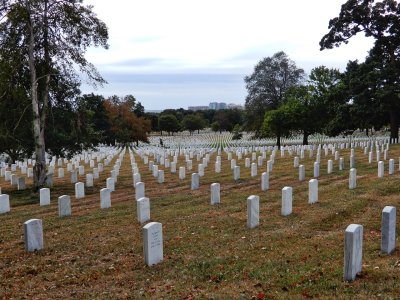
(125, 126)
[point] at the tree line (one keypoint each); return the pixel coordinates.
(175, 120)
(282, 100)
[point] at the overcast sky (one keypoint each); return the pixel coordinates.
(178, 53)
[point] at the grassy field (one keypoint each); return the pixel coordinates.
(208, 251)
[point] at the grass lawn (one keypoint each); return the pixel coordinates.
(208, 250)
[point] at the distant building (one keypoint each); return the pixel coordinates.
(234, 106)
(195, 108)
(217, 105)
(213, 105)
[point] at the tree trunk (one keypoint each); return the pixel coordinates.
(39, 170)
(394, 126)
(278, 141)
(367, 131)
(305, 138)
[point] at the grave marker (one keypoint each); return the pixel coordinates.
(253, 211)
(33, 232)
(388, 229)
(215, 193)
(143, 209)
(153, 243)
(352, 251)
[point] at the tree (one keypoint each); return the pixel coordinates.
(216, 127)
(227, 118)
(237, 134)
(320, 100)
(126, 127)
(281, 121)
(169, 123)
(193, 122)
(380, 20)
(267, 85)
(91, 108)
(362, 82)
(15, 114)
(52, 37)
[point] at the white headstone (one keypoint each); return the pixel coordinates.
(21, 183)
(33, 232)
(74, 176)
(14, 179)
(44, 194)
(253, 170)
(160, 177)
(89, 180)
(218, 167)
(264, 181)
(153, 243)
(381, 169)
(195, 181)
(341, 164)
(96, 173)
(173, 167)
(143, 209)
(105, 198)
(4, 203)
(182, 173)
(79, 190)
(388, 230)
(110, 184)
(233, 163)
(296, 162)
(353, 179)
(352, 251)
(247, 162)
(136, 178)
(316, 169)
(215, 193)
(64, 206)
(201, 170)
(236, 173)
(139, 190)
(286, 201)
(330, 166)
(391, 166)
(302, 173)
(81, 170)
(155, 171)
(253, 211)
(313, 191)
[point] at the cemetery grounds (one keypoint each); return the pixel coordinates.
(208, 250)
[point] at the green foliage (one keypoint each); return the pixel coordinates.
(15, 112)
(237, 134)
(215, 126)
(266, 87)
(227, 118)
(169, 123)
(193, 122)
(281, 121)
(380, 20)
